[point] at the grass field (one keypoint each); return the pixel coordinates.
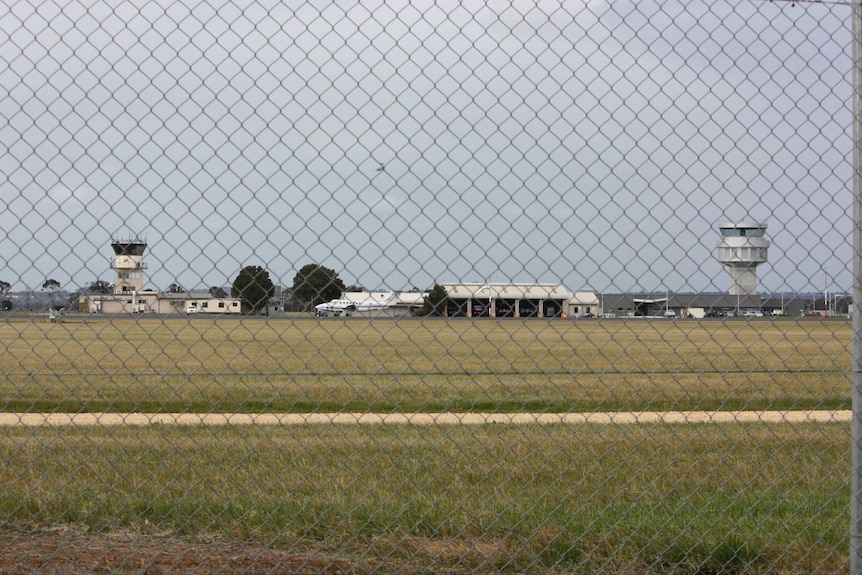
(687, 498)
(435, 365)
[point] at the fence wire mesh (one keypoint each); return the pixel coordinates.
(324, 287)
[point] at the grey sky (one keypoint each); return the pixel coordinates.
(593, 143)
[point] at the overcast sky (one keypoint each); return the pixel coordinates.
(597, 144)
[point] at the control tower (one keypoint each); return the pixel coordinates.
(742, 248)
(129, 265)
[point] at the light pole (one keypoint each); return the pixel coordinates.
(480, 290)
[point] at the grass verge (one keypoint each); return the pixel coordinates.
(664, 499)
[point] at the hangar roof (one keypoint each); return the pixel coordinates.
(510, 290)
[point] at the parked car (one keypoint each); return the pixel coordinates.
(527, 311)
(191, 309)
(588, 315)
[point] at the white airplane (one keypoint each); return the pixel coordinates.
(347, 307)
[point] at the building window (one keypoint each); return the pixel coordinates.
(205, 304)
(743, 232)
(221, 304)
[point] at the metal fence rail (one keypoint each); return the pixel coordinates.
(429, 286)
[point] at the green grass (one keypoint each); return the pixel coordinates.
(434, 365)
(670, 499)
(680, 499)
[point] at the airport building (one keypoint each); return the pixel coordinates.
(130, 297)
(741, 248)
(486, 299)
(697, 305)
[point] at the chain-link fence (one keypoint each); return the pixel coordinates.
(426, 286)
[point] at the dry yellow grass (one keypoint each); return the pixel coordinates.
(437, 365)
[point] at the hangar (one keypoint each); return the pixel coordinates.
(487, 299)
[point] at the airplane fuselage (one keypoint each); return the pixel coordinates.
(346, 307)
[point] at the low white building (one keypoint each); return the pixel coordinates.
(158, 302)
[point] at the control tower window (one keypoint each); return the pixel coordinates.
(743, 232)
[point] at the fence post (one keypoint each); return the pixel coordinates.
(856, 425)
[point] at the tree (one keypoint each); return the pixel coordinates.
(253, 286)
(176, 288)
(218, 292)
(99, 286)
(315, 284)
(6, 305)
(4, 288)
(52, 286)
(435, 301)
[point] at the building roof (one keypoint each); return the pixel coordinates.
(506, 290)
(511, 290)
(411, 297)
(748, 225)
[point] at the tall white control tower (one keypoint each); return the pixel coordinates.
(129, 265)
(742, 248)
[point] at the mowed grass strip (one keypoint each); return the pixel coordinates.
(207, 364)
(649, 498)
